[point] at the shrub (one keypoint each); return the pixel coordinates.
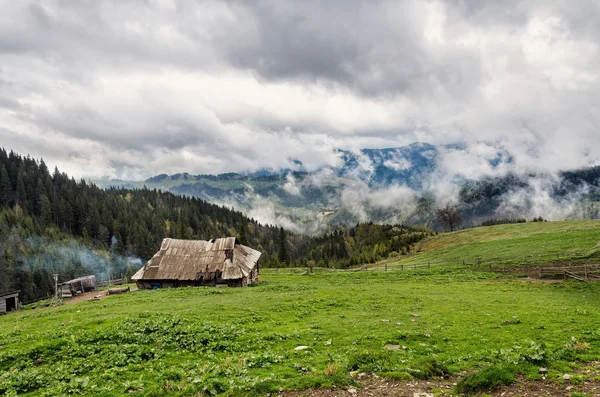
(488, 379)
(369, 361)
(267, 386)
(429, 368)
(403, 376)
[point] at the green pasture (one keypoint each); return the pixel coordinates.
(514, 244)
(241, 341)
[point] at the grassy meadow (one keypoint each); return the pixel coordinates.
(242, 341)
(513, 244)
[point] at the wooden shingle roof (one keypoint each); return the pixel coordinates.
(196, 259)
(8, 295)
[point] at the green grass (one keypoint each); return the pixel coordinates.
(515, 244)
(488, 379)
(241, 341)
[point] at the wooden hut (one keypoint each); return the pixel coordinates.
(77, 286)
(220, 262)
(9, 302)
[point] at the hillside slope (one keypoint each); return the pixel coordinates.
(514, 244)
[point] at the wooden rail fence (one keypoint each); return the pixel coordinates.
(575, 272)
(114, 281)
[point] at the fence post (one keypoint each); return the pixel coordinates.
(386, 267)
(401, 267)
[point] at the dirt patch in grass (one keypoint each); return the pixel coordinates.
(87, 296)
(84, 297)
(383, 387)
(440, 387)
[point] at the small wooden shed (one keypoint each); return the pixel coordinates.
(9, 302)
(220, 262)
(78, 285)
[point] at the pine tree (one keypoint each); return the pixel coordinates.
(242, 233)
(283, 248)
(40, 197)
(182, 228)
(5, 187)
(21, 194)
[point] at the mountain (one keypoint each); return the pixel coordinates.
(393, 185)
(306, 201)
(408, 165)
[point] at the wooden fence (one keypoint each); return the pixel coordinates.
(114, 281)
(565, 264)
(583, 272)
(363, 268)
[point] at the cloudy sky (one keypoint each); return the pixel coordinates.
(130, 89)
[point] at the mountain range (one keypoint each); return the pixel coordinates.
(393, 185)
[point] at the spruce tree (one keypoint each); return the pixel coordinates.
(5, 187)
(242, 233)
(21, 194)
(283, 249)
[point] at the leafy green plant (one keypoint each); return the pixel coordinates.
(530, 351)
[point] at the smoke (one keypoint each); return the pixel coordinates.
(71, 259)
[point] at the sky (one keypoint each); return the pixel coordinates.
(131, 89)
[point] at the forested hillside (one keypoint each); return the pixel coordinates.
(50, 223)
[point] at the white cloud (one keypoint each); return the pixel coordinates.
(398, 164)
(290, 185)
(133, 89)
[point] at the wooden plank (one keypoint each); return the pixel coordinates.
(574, 276)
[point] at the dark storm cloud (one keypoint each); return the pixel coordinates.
(84, 122)
(136, 88)
(376, 48)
